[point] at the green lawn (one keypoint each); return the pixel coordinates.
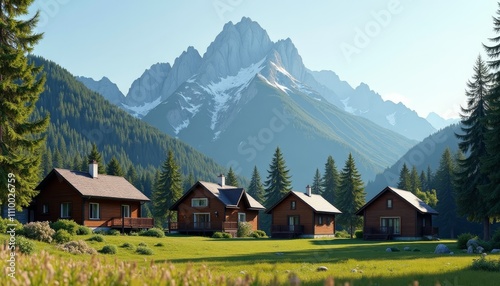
(356, 261)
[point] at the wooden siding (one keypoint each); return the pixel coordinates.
(400, 208)
(108, 209)
(328, 225)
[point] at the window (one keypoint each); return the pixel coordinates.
(293, 205)
(125, 210)
(390, 225)
(242, 217)
(389, 203)
(199, 202)
(320, 220)
(45, 208)
(94, 211)
(65, 210)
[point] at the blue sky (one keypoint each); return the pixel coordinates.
(418, 52)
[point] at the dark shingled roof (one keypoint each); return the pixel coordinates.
(104, 186)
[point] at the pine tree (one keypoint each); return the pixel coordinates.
(113, 168)
(256, 189)
(423, 181)
(317, 185)
(132, 176)
(471, 201)
(167, 189)
(491, 162)
(278, 181)
(188, 182)
(47, 162)
(57, 159)
(404, 178)
(231, 179)
(94, 155)
(21, 139)
(414, 180)
(330, 181)
(444, 183)
(351, 196)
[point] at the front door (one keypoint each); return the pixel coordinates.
(201, 220)
(293, 222)
(390, 225)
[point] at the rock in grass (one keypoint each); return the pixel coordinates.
(441, 248)
(470, 249)
(388, 249)
(322, 268)
(407, 248)
(496, 250)
(354, 270)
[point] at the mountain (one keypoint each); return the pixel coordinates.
(425, 154)
(439, 122)
(367, 103)
(249, 95)
(104, 87)
(80, 117)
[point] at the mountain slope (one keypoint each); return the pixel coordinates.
(104, 87)
(439, 122)
(249, 96)
(80, 117)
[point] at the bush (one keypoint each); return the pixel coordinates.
(486, 264)
(25, 245)
(96, 237)
(259, 234)
(133, 233)
(83, 230)
(463, 238)
(219, 234)
(143, 244)
(244, 229)
(113, 232)
(342, 234)
(4, 222)
(77, 247)
(69, 225)
(39, 230)
(109, 249)
(62, 236)
(128, 246)
(358, 234)
(155, 232)
(144, 250)
(159, 244)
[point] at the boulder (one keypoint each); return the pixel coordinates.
(388, 249)
(407, 248)
(322, 268)
(441, 248)
(496, 250)
(479, 249)
(472, 242)
(470, 249)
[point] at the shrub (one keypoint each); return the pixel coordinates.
(219, 234)
(342, 234)
(128, 246)
(113, 232)
(144, 250)
(155, 232)
(358, 234)
(159, 244)
(77, 247)
(486, 264)
(109, 249)
(69, 225)
(244, 229)
(62, 236)
(83, 230)
(39, 230)
(96, 237)
(25, 245)
(463, 238)
(143, 244)
(133, 233)
(259, 234)
(4, 226)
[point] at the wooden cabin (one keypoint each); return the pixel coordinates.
(300, 214)
(397, 214)
(90, 199)
(214, 207)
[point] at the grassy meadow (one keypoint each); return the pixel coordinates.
(185, 260)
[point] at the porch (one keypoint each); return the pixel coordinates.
(388, 233)
(204, 228)
(132, 222)
(287, 231)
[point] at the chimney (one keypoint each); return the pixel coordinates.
(222, 180)
(93, 169)
(308, 190)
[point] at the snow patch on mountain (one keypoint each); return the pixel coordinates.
(347, 108)
(142, 110)
(391, 118)
(181, 126)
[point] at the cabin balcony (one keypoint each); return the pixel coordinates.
(132, 222)
(204, 227)
(287, 231)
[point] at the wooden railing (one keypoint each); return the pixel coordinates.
(132, 222)
(204, 226)
(298, 229)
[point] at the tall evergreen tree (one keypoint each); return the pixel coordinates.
(404, 178)
(471, 201)
(414, 180)
(47, 162)
(423, 181)
(94, 155)
(351, 196)
(57, 159)
(188, 182)
(231, 179)
(167, 190)
(21, 139)
(491, 162)
(444, 183)
(330, 181)
(114, 168)
(132, 176)
(256, 189)
(317, 185)
(278, 181)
